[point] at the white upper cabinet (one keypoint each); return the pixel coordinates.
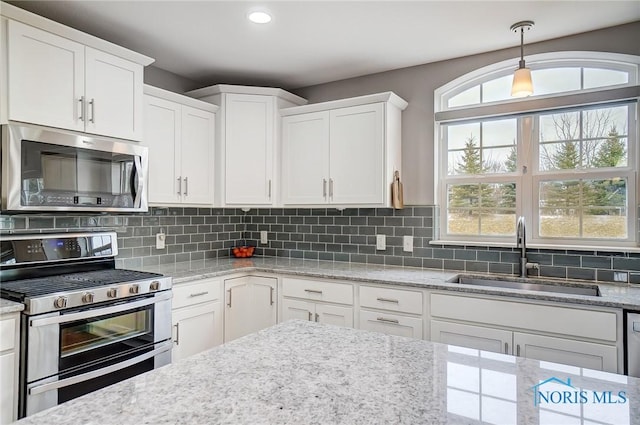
(248, 128)
(342, 153)
(59, 77)
(179, 132)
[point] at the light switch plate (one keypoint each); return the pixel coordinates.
(263, 237)
(160, 238)
(381, 242)
(407, 243)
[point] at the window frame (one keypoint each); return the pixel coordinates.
(526, 111)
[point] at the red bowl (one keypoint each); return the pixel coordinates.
(243, 251)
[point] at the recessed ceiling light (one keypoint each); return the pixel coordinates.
(259, 17)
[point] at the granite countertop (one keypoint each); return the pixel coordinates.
(612, 295)
(7, 306)
(302, 372)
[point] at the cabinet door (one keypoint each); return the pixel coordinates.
(305, 158)
(162, 137)
(250, 305)
(197, 156)
(334, 315)
(196, 328)
(478, 337)
(249, 133)
(46, 78)
(356, 155)
(296, 309)
(7, 388)
(114, 93)
(561, 350)
(392, 324)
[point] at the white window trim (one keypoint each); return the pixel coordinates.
(513, 107)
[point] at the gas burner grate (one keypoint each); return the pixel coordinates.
(71, 282)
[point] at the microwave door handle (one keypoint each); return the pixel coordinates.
(137, 180)
(166, 346)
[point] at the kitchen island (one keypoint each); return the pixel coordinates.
(301, 372)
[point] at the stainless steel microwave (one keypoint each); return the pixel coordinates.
(47, 169)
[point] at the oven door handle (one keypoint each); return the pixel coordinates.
(136, 187)
(71, 317)
(163, 347)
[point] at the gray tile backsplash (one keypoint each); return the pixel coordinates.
(319, 233)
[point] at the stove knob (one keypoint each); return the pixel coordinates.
(87, 297)
(60, 302)
(112, 293)
(134, 289)
(154, 286)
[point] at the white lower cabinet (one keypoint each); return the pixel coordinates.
(9, 361)
(250, 305)
(583, 337)
(316, 312)
(392, 324)
(196, 317)
(379, 308)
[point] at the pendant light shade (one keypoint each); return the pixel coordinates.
(522, 83)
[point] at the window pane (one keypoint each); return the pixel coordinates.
(499, 160)
(499, 132)
(584, 208)
(596, 77)
(459, 134)
(498, 89)
(470, 96)
(555, 80)
(481, 209)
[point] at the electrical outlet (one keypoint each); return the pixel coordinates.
(160, 238)
(407, 243)
(381, 242)
(263, 237)
(620, 277)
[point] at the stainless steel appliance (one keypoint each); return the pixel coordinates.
(47, 169)
(86, 324)
(632, 343)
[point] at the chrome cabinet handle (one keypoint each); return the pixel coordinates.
(271, 296)
(229, 303)
(317, 318)
(186, 186)
(177, 340)
(518, 350)
(313, 291)
(310, 316)
(506, 348)
(81, 100)
(269, 189)
(324, 188)
(388, 300)
(179, 185)
(383, 319)
(198, 294)
(331, 188)
(92, 104)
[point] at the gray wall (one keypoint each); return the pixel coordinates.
(158, 77)
(416, 85)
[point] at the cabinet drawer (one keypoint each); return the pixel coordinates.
(8, 332)
(544, 318)
(340, 293)
(391, 324)
(391, 299)
(196, 292)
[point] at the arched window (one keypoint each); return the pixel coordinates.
(565, 158)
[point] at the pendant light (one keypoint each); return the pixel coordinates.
(522, 85)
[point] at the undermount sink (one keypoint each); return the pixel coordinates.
(528, 285)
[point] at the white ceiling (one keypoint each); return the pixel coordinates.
(311, 42)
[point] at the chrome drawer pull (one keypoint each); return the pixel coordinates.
(313, 291)
(177, 340)
(310, 315)
(506, 348)
(199, 294)
(382, 319)
(271, 296)
(317, 317)
(388, 300)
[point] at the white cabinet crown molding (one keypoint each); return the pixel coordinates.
(235, 89)
(389, 97)
(180, 98)
(28, 18)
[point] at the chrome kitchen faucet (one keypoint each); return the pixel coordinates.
(521, 242)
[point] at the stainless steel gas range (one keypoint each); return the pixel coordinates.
(86, 324)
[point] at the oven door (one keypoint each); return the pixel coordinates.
(76, 352)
